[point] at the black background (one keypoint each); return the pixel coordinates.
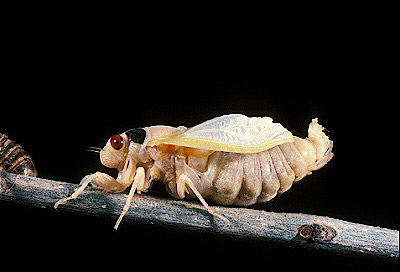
(70, 86)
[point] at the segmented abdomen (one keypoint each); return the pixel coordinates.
(14, 159)
(245, 179)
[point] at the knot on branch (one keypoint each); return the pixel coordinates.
(317, 232)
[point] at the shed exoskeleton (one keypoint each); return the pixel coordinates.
(231, 159)
(14, 159)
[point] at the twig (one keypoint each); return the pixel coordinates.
(294, 229)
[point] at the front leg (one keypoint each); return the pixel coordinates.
(98, 179)
(105, 181)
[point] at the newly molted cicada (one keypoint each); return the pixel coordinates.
(231, 159)
(14, 159)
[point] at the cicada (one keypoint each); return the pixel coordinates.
(231, 160)
(14, 159)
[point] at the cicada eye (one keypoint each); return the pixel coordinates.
(117, 142)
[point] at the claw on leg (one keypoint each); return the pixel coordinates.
(138, 183)
(84, 183)
(99, 179)
(183, 179)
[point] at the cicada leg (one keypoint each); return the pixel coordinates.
(84, 183)
(105, 182)
(184, 181)
(138, 183)
(129, 175)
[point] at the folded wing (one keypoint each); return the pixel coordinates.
(235, 133)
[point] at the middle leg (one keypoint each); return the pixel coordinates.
(137, 184)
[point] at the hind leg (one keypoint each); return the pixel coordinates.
(184, 181)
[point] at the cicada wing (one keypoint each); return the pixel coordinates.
(235, 133)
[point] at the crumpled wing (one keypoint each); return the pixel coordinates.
(235, 133)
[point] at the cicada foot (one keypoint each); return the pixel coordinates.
(109, 184)
(98, 179)
(138, 184)
(184, 181)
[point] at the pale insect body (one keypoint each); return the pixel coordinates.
(231, 159)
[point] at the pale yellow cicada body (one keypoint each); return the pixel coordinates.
(231, 159)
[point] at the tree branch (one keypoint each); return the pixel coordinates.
(294, 229)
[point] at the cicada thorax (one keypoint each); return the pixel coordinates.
(244, 179)
(14, 159)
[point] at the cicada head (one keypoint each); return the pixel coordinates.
(114, 154)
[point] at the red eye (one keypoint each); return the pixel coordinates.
(117, 142)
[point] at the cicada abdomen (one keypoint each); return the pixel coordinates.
(14, 159)
(246, 178)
